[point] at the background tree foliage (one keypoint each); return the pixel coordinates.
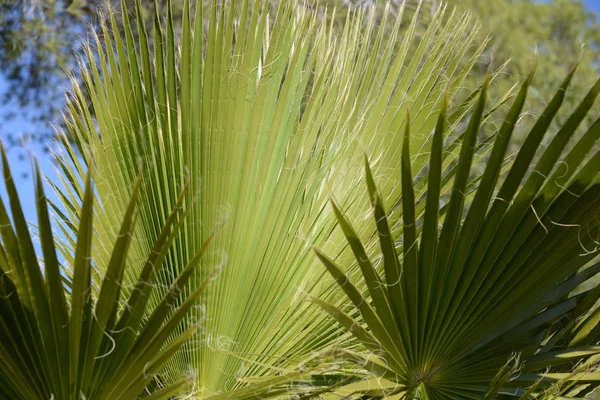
(559, 30)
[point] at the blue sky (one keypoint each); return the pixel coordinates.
(594, 5)
(22, 168)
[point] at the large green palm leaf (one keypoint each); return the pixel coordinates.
(264, 115)
(447, 308)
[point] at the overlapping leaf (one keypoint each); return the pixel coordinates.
(495, 281)
(70, 343)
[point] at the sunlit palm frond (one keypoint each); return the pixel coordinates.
(264, 114)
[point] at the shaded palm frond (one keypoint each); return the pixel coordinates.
(446, 308)
(72, 342)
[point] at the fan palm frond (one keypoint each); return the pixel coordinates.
(264, 114)
(69, 341)
(491, 290)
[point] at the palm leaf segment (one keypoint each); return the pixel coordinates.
(68, 343)
(447, 313)
(263, 114)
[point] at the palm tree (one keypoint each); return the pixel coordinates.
(263, 116)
